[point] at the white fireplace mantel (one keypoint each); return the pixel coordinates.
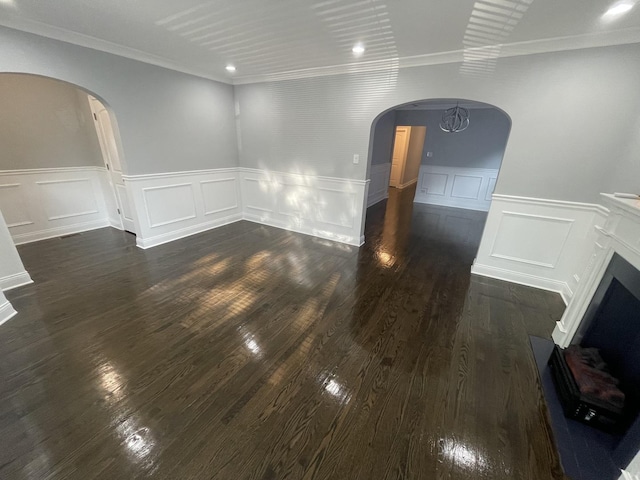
(620, 234)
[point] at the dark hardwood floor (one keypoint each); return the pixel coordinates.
(249, 352)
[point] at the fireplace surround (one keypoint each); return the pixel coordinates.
(604, 312)
(619, 236)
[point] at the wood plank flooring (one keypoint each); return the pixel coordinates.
(249, 352)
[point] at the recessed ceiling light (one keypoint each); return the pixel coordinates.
(358, 49)
(619, 8)
(230, 68)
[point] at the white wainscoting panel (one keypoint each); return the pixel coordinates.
(169, 204)
(220, 195)
(174, 205)
(527, 228)
(433, 183)
(379, 186)
(73, 198)
(325, 207)
(536, 242)
(469, 188)
(50, 202)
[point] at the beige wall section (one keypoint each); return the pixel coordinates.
(45, 123)
(414, 155)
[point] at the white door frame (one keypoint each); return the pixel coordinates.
(112, 164)
(402, 155)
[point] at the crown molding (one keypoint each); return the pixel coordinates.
(87, 41)
(443, 106)
(516, 49)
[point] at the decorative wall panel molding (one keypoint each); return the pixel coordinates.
(50, 202)
(469, 188)
(379, 187)
(325, 207)
(73, 198)
(537, 242)
(169, 206)
(528, 228)
(220, 195)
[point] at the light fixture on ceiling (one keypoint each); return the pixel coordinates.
(455, 119)
(230, 68)
(618, 8)
(358, 49)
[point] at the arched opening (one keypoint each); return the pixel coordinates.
(62, 165)
(413, 159)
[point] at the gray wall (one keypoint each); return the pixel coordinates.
(383, 137)
(573, 113)
(45, 123)
(625, 169)
(168, 121)
(481, 145)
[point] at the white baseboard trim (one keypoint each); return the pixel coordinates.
(305, 231)
(14, 281)
(6, 312)
(408, 184)
(149, 242)
(20, 239)
(524, 279)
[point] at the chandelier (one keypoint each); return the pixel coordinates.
(455, 119)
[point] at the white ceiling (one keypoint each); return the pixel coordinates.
(266, 37)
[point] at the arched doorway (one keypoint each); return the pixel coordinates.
(457, 169)
(53, 128)
(54, 175)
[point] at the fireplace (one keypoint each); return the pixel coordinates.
(604, 316)
(598, 375)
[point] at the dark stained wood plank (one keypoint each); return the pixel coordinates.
(249, 352)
